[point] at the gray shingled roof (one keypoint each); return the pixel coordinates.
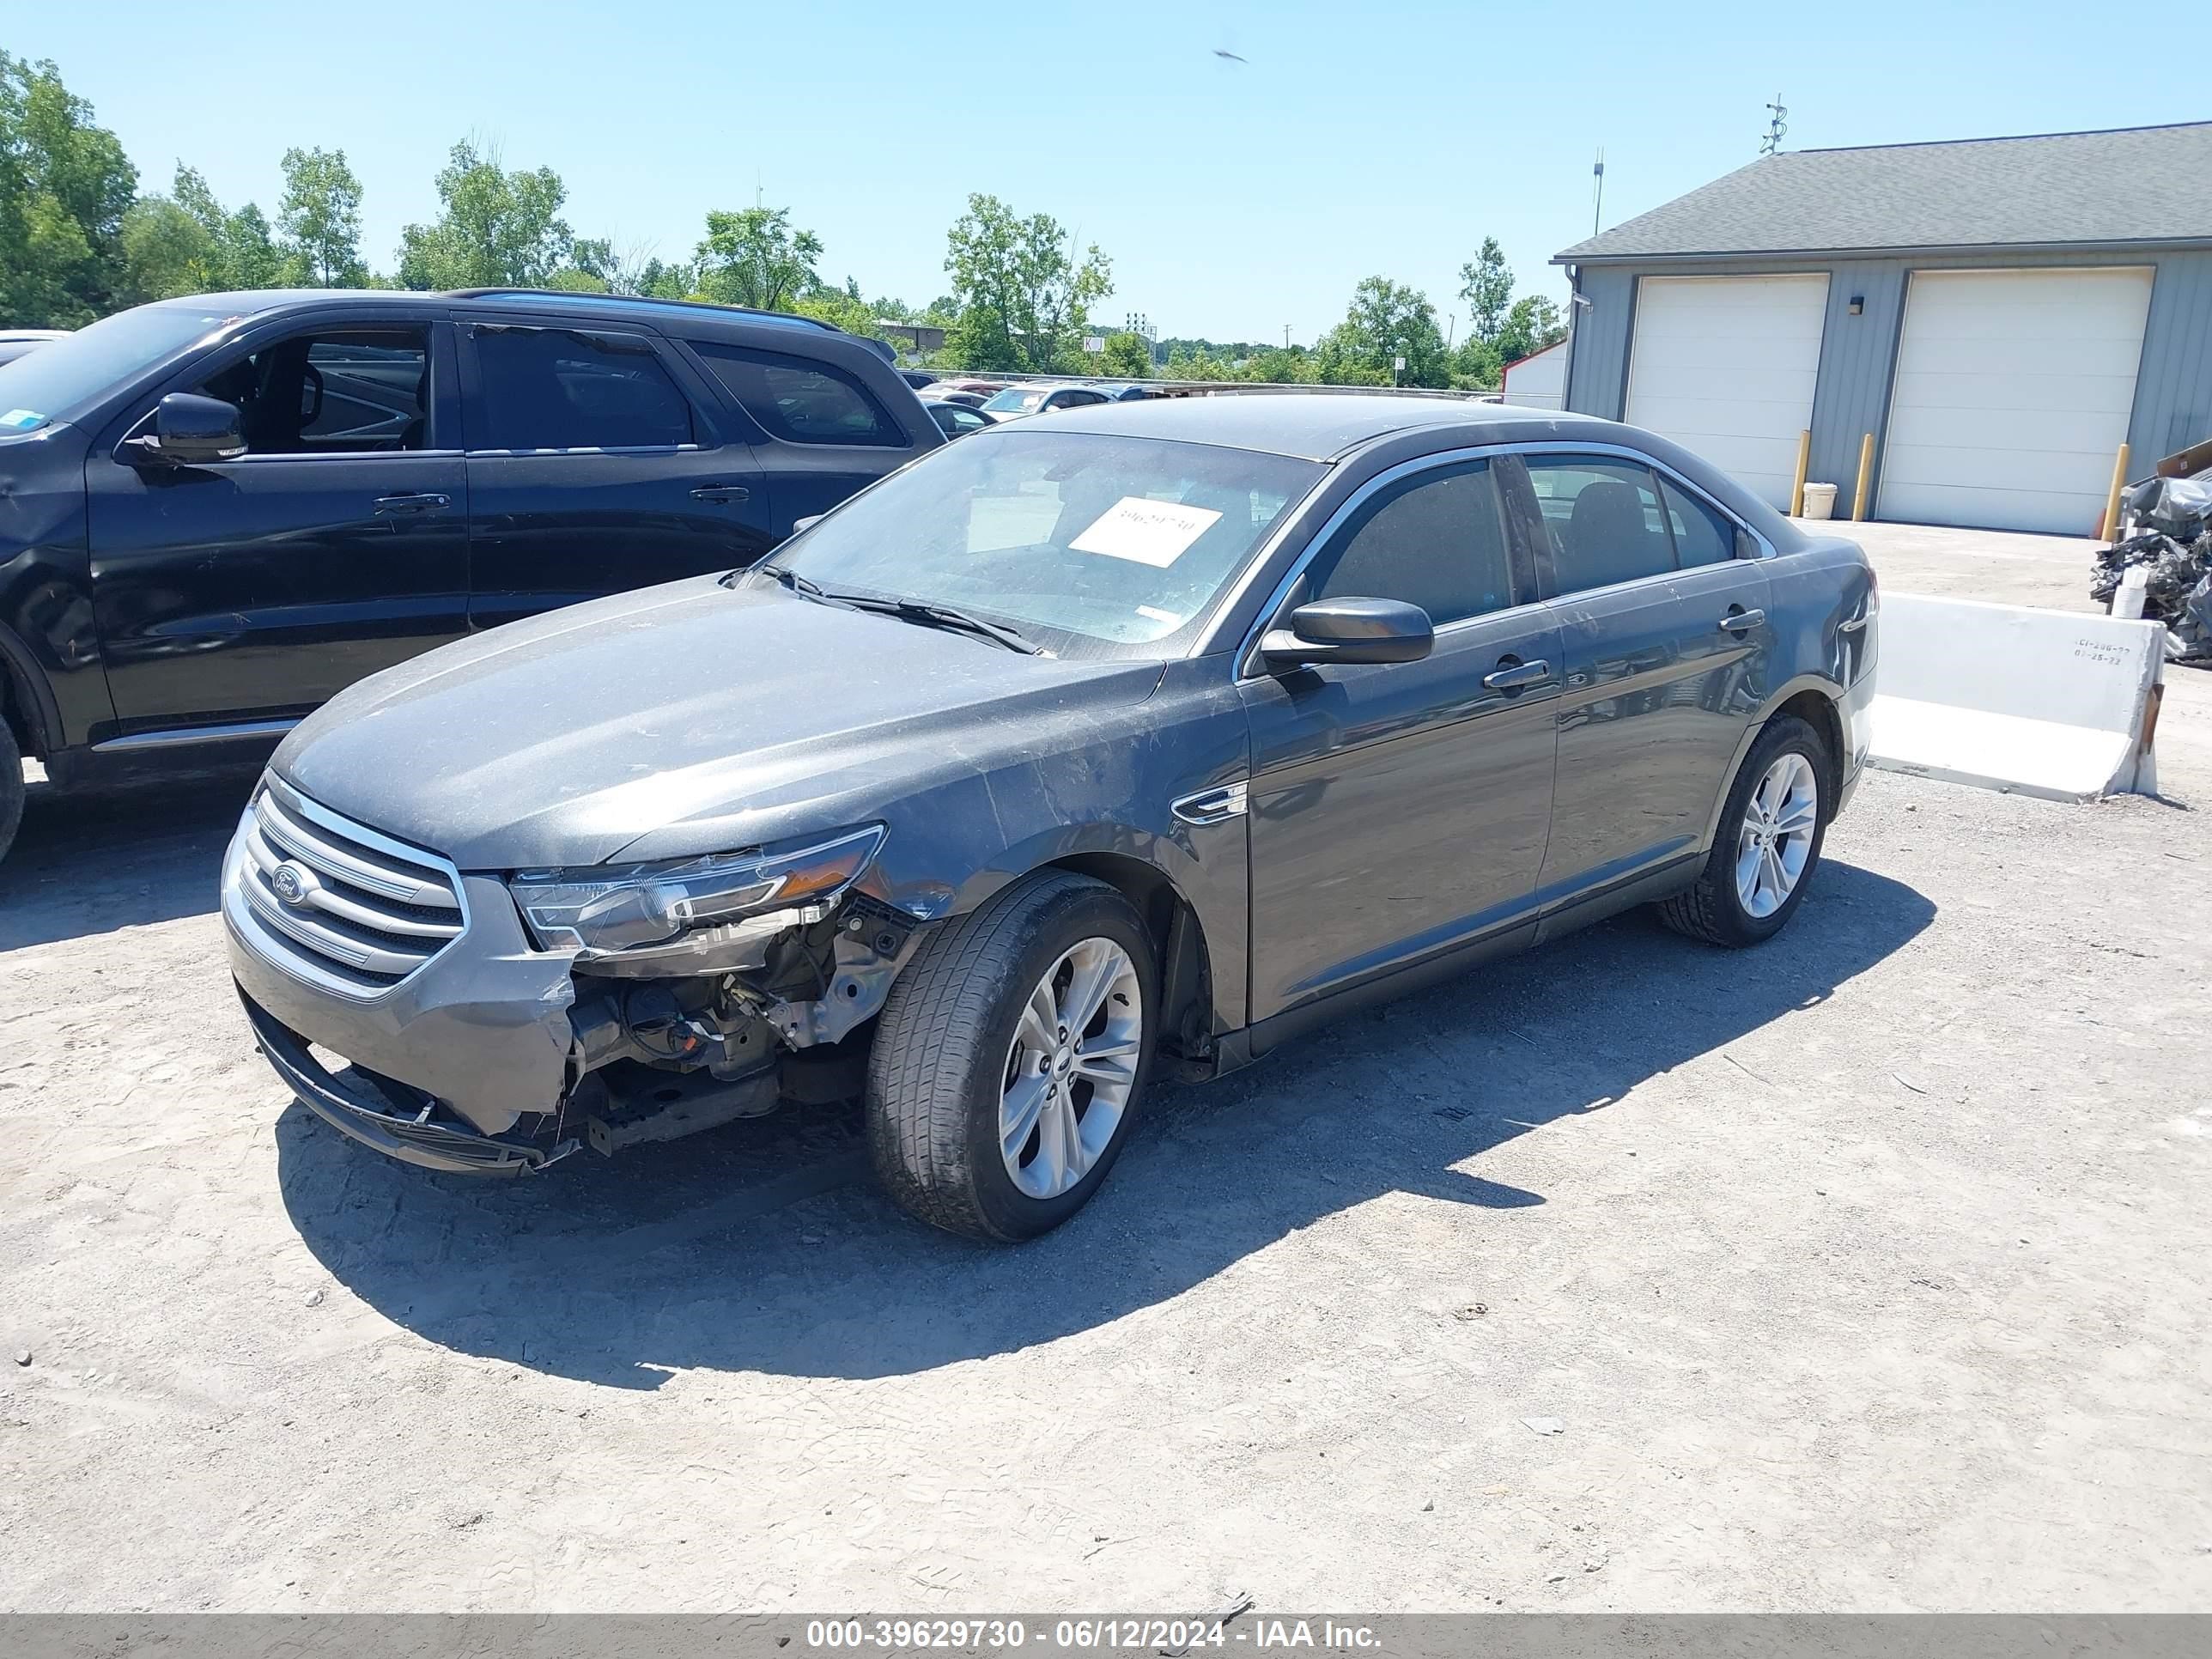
(2137, 184)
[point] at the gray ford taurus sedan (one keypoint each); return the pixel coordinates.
(1131, 742)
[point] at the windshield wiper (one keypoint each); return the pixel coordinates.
(917, 611)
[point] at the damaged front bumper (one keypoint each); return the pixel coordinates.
(385, 1114)
(462, 1043)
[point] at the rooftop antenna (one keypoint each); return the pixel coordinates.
(1597, 208)
(1771, 144)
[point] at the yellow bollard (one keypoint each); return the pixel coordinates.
(1804, 461)
(2109, 525)
(1866, 477)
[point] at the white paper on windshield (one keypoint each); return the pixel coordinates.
(1146, 532)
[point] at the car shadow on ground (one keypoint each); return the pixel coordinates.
(123, 855)
(693, 1254)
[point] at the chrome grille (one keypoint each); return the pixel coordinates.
(339, 904)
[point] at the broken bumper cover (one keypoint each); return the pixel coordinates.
(397, 1122)
(482, 1027)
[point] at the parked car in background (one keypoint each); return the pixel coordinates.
(16, 342)
(221, 511)
(956, 420)
(1125, 394)
(1016, 401)
(941, 393)
(917, 378)
(1137, 740)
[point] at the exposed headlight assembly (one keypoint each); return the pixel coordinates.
(695, 915)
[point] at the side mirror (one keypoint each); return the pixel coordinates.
(807, 523)
(190, 430)
(1349, 631)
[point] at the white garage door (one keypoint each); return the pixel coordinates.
(2012, 397)
(1725, 364)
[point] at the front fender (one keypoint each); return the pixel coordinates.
(954, 846)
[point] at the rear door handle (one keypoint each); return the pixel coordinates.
(1513, 676)
(721, 494)
(1736, 621)
(425, 503)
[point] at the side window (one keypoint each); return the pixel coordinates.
(1603, 518)
(356, 391)
(1435, 540)
(547, 388)
(797, 401)
(1701, 535)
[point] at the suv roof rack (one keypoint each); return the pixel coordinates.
(786, 317)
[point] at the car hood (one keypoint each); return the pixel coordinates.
(677, 720)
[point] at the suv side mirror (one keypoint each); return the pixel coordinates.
(190, 430)
(1349, 630)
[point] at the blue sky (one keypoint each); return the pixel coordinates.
(1234, 198)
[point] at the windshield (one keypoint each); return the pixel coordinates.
(1090, 546)
(58, 377)
(1014, 401)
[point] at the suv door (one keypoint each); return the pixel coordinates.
(338, 545)
(1661, 606)
(822, 435)
(1397, 810)
(592, 469)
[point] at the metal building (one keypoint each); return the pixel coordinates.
(2000, 313)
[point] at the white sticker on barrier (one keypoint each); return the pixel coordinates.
(1146, 532)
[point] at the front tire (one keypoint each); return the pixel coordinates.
(1012, 1057)
(1767, 846)
(11, 788)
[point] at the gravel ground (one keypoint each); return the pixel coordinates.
(1865, 1271)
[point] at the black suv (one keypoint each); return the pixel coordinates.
(216, 512)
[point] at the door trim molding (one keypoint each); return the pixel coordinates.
(177, 737)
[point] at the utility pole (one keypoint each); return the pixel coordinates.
(1597, 208)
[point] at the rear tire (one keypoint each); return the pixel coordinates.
(1729, 903)
(963, 1050)
(11, 788)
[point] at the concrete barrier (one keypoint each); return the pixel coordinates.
(2045, 703)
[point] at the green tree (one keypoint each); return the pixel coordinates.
(1486, 285)
(1533, 324)
(1126, 357)
(1386, 320)
(1475, 365)
(241, 252)
(754, 258)
(496, 230)
(166, 252)
(65, 187)
(1281, 366)
(1024, 298)
(319, 215)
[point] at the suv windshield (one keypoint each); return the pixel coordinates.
(1094, 546)
(52, 382)
(1014, 400)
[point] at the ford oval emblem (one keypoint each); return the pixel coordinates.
(291, 884)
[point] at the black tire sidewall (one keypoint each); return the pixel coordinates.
(1099, 913)
(1788, 735)
(11, 789)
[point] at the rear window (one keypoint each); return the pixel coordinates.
(799, 401)
(555, 388)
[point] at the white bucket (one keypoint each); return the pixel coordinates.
(1820, 501)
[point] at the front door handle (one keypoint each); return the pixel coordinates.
(1512, 676)
(424, 503)
(1736, 621)
(722, 495)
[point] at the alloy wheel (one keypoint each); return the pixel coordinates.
(1777, 836)
(1071, 1068)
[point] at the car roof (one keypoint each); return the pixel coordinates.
(677, 312)
(1313, 426)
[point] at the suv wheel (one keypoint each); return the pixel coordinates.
(11, 788)
(1768, 844)
(1011, 1059)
